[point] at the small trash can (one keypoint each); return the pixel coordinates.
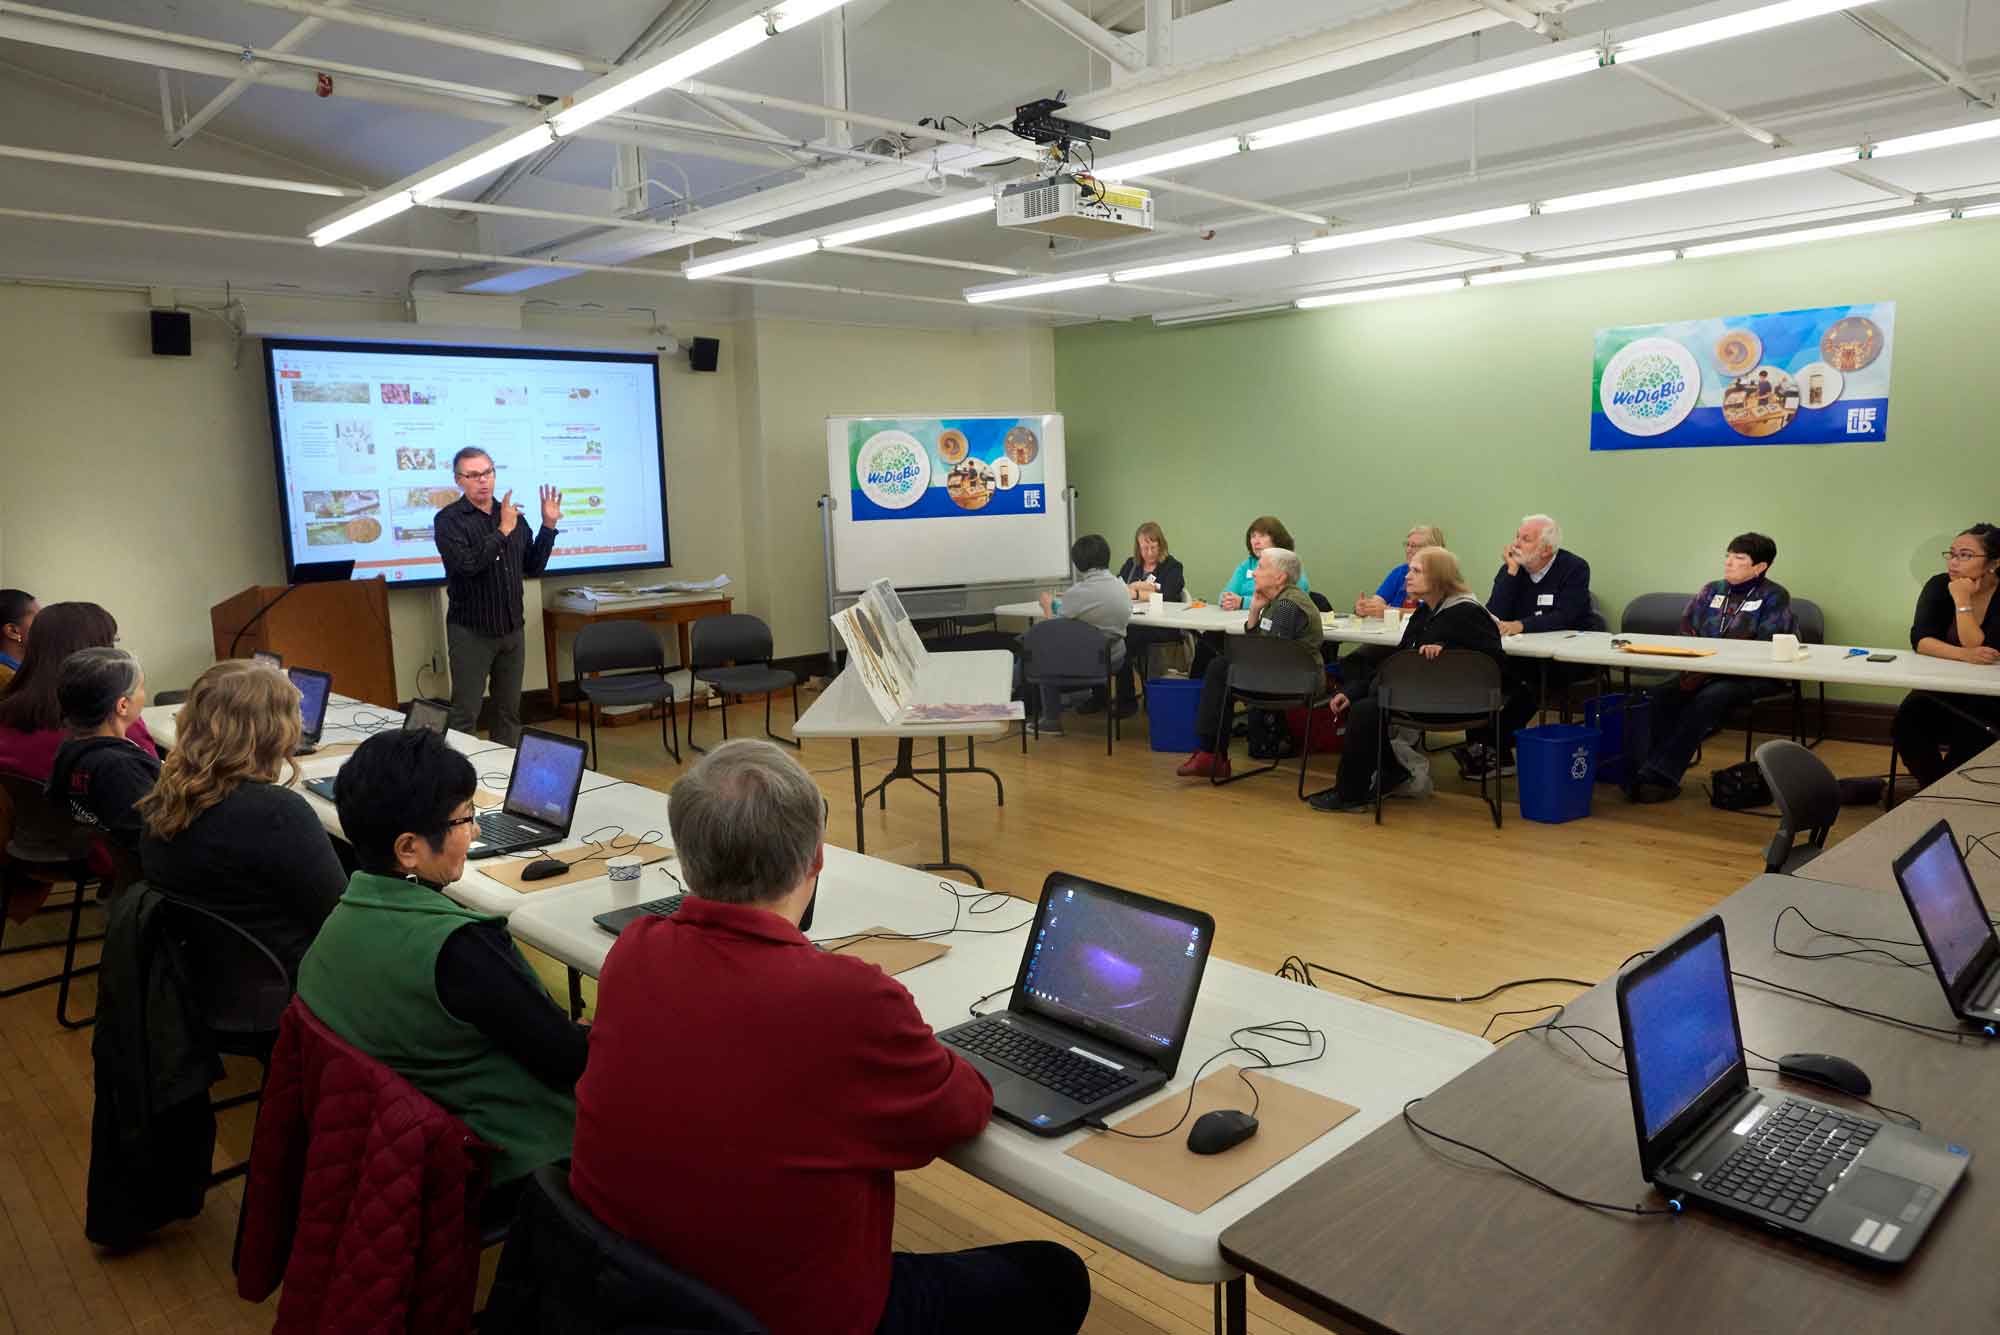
(1627, 724)
(1554, 769)
(1171, 706)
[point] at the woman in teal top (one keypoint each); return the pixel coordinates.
(433, 990)
(1264, 531)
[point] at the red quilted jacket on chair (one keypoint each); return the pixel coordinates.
(362, 1198)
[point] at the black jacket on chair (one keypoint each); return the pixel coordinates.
(152, 1133)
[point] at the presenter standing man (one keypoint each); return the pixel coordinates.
(487, 551)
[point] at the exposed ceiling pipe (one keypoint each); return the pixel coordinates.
(1930, 62)
(1107, 44)
(330, 11)
(216, 105)
(833, 73)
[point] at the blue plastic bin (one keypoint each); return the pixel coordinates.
(1171, 706)
(1554, 769)
(1627, 724)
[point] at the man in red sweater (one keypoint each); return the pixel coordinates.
(749, 1098)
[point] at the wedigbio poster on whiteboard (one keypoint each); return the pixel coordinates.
(934, 468)
(365, 434)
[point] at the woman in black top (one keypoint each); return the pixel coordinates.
(1447, 617)
(100, 772)
(1957, 617)
(222, 830)
(1150, 570)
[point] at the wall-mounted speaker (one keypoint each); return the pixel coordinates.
(173, 334)
(703, 353)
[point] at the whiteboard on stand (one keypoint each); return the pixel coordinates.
(928, 502)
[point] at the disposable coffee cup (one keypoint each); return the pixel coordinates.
(1392, 617)
(624, 868)
(1156, 600)
(1784, 648)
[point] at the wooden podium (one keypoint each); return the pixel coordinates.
(341, 627)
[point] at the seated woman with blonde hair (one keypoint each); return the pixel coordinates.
(221, 828)
(1447, 617)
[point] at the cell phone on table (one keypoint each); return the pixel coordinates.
(1881, 658)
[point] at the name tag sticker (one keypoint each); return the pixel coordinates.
(1716, 602)
(1264, 624)
(1545, 600)
(1753, 604)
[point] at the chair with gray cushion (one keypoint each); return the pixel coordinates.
(1460, 687)
(1272, 672)
(632, 653)
(1061, 651)
(1808, 798)
(732, 653)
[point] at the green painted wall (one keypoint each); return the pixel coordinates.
(1471, 409)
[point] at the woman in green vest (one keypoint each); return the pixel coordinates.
(433, 990)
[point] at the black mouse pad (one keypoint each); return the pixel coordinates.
(1288, 1119)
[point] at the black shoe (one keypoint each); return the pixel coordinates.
(1091, 706)
(1329, 799)
(1125, 709)
(1650, 787)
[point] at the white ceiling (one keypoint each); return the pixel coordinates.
(1821, 83)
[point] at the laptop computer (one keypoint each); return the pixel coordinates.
(1864, 1188)
(1951, 920)
(1100, 1008)
(541, 796)
(617, 920)
(314, 689)
(424, 716)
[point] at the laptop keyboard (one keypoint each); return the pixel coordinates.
(1787, 1164)
(1046, 1064)
(499, 827)
(662, 908)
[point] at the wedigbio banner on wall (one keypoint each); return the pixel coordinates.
(939, 467)
(1811, 377)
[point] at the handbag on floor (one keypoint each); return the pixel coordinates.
(1739, 788)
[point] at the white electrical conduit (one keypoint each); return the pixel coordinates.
(441, 36)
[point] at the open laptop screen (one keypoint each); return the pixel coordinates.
(548, 771)
(427, 716)
(314, 688)
(1682, 1031)
(1107, 962)
(1944, 903)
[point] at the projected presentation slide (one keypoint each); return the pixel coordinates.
(365, 434)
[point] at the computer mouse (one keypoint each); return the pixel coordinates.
(543, 868)
(1823, 1069)
(1223, 1129)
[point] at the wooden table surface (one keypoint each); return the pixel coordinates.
(1404, 1234)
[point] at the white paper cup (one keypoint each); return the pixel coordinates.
(1157, 600)
(1784, 648)
(1392, 617)
(625, 867)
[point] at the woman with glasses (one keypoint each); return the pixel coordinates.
(1958, 618)
(435, 991)
(1393, 591)
(223, 828)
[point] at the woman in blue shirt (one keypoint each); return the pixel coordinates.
(1392, 593)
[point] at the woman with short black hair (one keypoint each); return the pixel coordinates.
(434, 990)
(1957, 618)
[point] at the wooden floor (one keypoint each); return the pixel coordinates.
(1434, 900)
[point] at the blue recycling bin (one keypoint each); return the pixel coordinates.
(1555, 767)
(1626, 720)
(1171, 706)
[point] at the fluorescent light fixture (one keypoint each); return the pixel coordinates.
(492, 160)
(354, 222)
(1530, 272)
(1154, 163)
(964, 208)
(642, 84)
(1041, 287)
(1456, 222)
(1723, 29)
(1769, 169)
(1923, 143)
(1230, 260)
(1775, 239)
(1379, 293)
(1981, 211)
(746, 256)
(1429, 99)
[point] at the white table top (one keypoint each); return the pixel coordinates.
(845, 709)
(603, 800)
(1376, 1059)
(1829, 663)
(1338, 627)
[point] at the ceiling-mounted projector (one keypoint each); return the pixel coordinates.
(1072, 206)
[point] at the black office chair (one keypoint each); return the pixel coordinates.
(566, 1272)
(1458, 688)
(633, 651)
(1270, 672)
(45, 848)
(732, 653)
(1060, 651)
(239, 988)
(1808, 799)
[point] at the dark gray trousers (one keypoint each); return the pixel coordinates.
(474, 659)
